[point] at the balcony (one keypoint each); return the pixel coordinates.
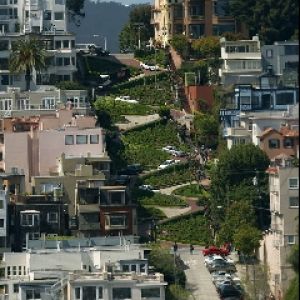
(88, 208)
(242, 55)
(89, 226)
(238, 132)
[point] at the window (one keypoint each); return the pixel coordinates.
(47, 15)
(58, 16)
(16, 288)
(48, 103)
(33, 294)
(14, 270)
(269, 53)
(116, 197)
(67, 61)
(117, 221)
(121, 293)
(59, 61)
(30, 219)
(290, 239)
(288, 143)
(274, 143)
(52, 217)
(291, 50)
(77, 293)
(293, 183)
(94, 139)
(20, 270)
(100, 292)
(89, 292)
(125, 268)
(69, 140)
(151, 292)
(1, 204)
(294, 202)
(142, 268)
(1, 223)
(66, 44)
(81, 139)
(8, 271)
(46, 188)
(60, 2)
(285, 98)
(133, 268)
(57, 44)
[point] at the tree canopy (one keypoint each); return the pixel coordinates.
(138, 26)
(273, 20)
(27, 54)
(181, 44)
(247, 239)
(208, 47)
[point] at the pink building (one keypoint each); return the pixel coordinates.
(34, 148)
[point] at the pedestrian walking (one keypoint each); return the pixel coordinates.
(175, 247)
(191, 249)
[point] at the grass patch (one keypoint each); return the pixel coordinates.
(149, 212)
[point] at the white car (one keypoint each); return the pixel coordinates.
(126, 99)
(168, 163)
(209, 259)
(148, 187)
(169, 149)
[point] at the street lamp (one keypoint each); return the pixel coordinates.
(105, 40)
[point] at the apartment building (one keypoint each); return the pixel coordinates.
(283, 59)
(241, 61)
(44, 100)
(47, 21)
(283, 233)
(192, 18)
(94, 207)
(115, 271)
(33, 144)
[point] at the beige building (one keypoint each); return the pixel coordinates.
(284, 230)
(193, 18)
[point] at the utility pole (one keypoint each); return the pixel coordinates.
(139, 25)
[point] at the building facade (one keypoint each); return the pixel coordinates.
(241, 61)
(283, 59)
(194, 19)
(46, 20)
(283, 232)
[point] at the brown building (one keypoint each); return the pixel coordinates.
(285, 141)
(193, 18)
(199, 97)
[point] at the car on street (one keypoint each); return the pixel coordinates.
(227, 291)
(126, 99)
(221, 265)
(148, 187)
(210, 258)
(169, 149)
(122, 179)
(178, 153)
(168, 163)
(215, 250)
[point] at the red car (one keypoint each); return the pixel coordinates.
(215, 250)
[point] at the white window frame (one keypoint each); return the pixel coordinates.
(289, 242)
(48, 103)
(293, 187)
(25, 216)
(5, 104)
(49, 219)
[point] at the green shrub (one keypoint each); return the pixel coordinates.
(161, 200)
(149, 213)
(189, 229)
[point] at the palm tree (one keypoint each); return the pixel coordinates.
(27, 55)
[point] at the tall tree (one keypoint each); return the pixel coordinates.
(27, 55)
(181, 44)
(75, 10)
(138, 27)
(273, 20)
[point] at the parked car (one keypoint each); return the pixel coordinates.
(122, 179)
(215, 250)
(168, 163)
(126, 99)
(209, 258)
(169, 149)
(220, 283)
(178, 153)
(148, 187)
(227, 291)
(134, 169)
(216, 266)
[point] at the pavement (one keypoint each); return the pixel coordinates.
(134, 121)
(199, 281)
